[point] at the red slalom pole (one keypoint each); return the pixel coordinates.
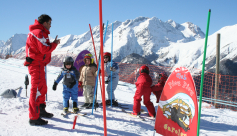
(95, 53)
(74, 122)
(102, 67)
(93, 44)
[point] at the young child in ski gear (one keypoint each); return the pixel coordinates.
(115, 77)
(87, 80)
(143, 86)
(158, 88)
(70, 76)
(38, 55)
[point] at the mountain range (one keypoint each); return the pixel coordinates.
(161, 43)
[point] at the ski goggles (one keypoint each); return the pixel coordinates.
(87, 57)
(68, 63)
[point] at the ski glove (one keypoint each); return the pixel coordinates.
(55, 86)
(80, 84)
(112, 69)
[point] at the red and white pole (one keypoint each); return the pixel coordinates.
(102, 66)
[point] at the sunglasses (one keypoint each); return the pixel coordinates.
(106, 57)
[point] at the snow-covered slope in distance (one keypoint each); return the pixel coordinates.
(191, 54)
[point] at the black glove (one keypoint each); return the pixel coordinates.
(55, 86)
(72, 84)
(106, 82)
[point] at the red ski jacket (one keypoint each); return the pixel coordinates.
(157, 90)
(144, 79)
(38, 46)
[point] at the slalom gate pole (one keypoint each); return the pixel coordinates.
(203, 69)
(46, 80)
(99, 79)
(111, 66)
(102, 68)
(74, 122)
(98, 71)
(96, 63)
(93, 44)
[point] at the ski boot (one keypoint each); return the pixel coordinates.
(152, 116)
(65, 110)
(89, 106)
(85, 104)
(43, 112)
(39, 121)
(136, 114)
(108, 102)
(75, 108)
(114, 103)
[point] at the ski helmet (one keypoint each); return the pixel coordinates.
(88, 56)
(144, 69)
(107, 54)
(68, 61)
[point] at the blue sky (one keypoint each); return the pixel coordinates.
(74, 16)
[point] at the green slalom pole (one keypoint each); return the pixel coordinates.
(203, 69)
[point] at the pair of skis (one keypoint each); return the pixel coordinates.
(78, 113)
(136, 116)
(122, 106)
(139, 116)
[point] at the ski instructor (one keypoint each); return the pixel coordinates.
(38, 55)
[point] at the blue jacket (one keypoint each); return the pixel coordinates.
(70, 76)
(107, 69)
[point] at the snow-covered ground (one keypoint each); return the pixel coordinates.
(14, 112)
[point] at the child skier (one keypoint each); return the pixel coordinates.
(70, 77)
(143, 86)
(114, 79)
(87, 80)
(158, 88)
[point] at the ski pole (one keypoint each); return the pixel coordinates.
(99, 77)
(96, 60)
(26, 83)
(111, 73)
(46, 79)
(98, 70)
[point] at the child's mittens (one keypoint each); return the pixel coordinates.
(55, 86)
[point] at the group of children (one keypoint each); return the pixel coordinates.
(85, 78)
